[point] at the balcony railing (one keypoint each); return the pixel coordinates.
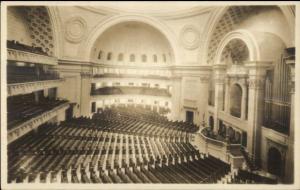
(114, 75)
(130, 90)
(24, 56)
(28, 87)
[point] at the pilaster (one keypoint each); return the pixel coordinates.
(256, 81)
(220, 74)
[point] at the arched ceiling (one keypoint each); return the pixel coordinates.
(235, 51)
(233, 16)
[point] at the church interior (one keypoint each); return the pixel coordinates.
(159, 94)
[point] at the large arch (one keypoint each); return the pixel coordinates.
(57, 31)
(243, 35)
(218, 14)
(257, 44)
(87, 45)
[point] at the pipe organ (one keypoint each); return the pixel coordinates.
(277, 99)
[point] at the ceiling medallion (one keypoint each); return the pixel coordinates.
(190, 37)
(75, 29)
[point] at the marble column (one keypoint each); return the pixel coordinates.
(257, 73)
(220, 73)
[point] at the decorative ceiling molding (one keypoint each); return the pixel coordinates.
(190, 37)
(169, 15)
(75, 29)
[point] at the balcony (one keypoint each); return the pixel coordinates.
(33, 119)
(114, 75)
(29, 57)
(28, 87)
(131, 90)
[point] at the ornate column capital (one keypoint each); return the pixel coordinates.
(256, 83)
(257, 72)
(205, 78)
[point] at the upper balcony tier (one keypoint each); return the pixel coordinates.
(23, 53)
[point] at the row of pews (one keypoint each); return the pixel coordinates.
(112, 147)
(247, 177)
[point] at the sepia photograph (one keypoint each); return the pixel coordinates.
(149, 95)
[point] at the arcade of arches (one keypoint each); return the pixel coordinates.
(228, 70)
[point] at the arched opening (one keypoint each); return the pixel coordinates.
(236, 100)
(120, 57)
(237, 137)
(164, 58)
(155, 58)
(132, 58)
(235, 52)
(100, 55)
(109, 55)
(211, 122)
(274, 162)
(144, 58)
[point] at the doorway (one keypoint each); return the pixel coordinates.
(189, 116)
(274, 162)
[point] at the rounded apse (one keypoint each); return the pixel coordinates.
(132, 42)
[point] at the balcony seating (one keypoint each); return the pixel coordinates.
(112, 147)
(22, 74)
(12, 44)
(23, 107)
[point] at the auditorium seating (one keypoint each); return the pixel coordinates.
(21, 74)
(24, 107)
(12, 44)
(124, 145)
(244, 176)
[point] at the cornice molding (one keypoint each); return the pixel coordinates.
(172, 15)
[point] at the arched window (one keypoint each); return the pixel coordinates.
(109, 55)
(100, 54)
(164, 58)
(120, 57)
(236, 100)
(155, 58)
(144, 58)
(132, 58)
